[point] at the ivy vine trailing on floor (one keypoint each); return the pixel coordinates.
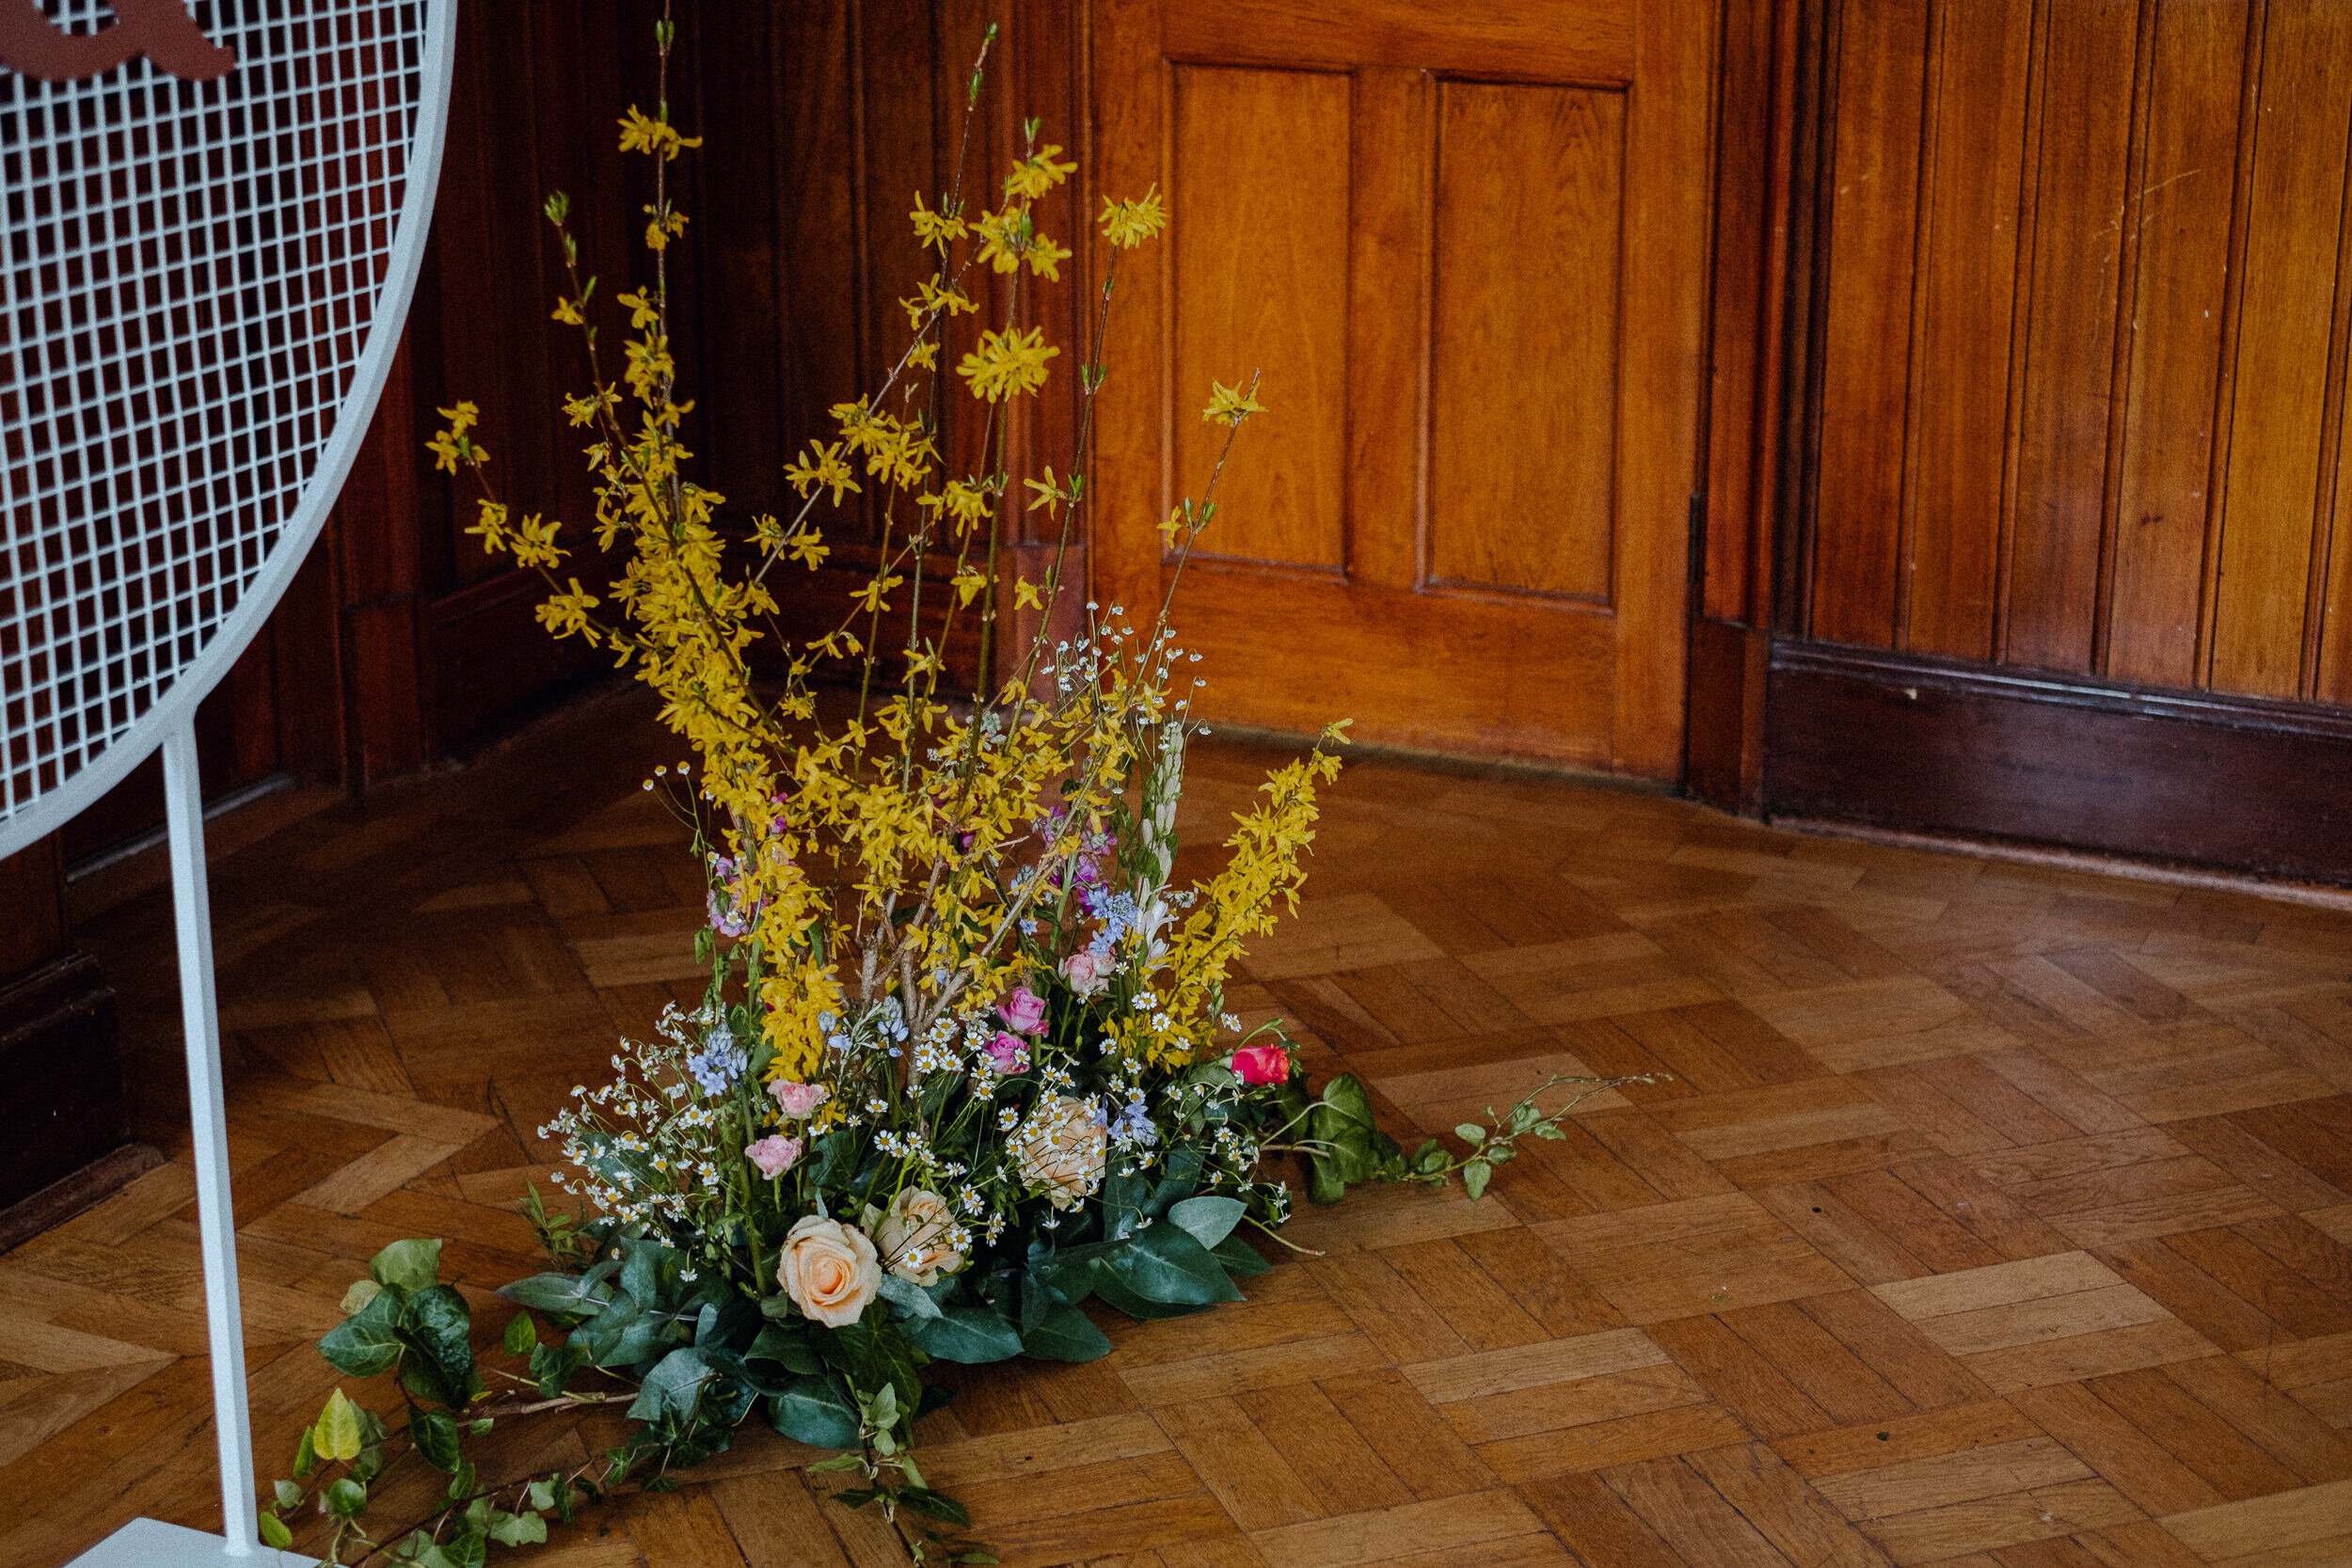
(964, 1061)
(693, 1359)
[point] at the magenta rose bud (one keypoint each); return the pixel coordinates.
(773, 1155)
(1022, 1010)
(1262, 1063)
(798, 1100)
(1010, 1054)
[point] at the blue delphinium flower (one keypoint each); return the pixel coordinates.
(720, 1062)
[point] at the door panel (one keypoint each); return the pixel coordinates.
(1464, 248)
(1263, 153)
(1526, 276)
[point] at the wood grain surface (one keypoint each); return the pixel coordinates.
(1993, 1216)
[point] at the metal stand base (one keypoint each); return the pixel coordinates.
(152, 1544)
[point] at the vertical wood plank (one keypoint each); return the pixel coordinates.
(1961, 421)
(1387, 260)
(1661, 378)
(2284, 326)
(2069, 354)
(2162, 505)
(1882, 65)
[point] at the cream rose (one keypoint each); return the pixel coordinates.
(829, 1270)
(1060, 1149)
(918, 1235)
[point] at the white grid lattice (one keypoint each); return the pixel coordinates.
(190, 275)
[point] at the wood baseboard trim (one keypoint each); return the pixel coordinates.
(2164, 873)
(1912, 744)
(68, 1195)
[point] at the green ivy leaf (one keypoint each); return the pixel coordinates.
(439, 1328)
(435, 1435)
(345, 1497)
(1475, 1175)
(521, 1333)
(356, 1298)
(922, 1500)
(542, 1495)
(305, 1456)
(517, 1529)
(336, 1433)
(1471, 1132)
(368, 1343)
(287, 1494)
(275, 1533)
(552, 1365)
(412, 1265)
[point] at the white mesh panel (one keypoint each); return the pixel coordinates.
(189, 277)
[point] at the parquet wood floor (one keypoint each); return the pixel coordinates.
(1995, 1217)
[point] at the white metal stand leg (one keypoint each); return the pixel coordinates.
(192, 910)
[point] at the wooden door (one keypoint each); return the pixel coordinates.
(1463, 244)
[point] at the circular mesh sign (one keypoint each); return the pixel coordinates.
(214, 216)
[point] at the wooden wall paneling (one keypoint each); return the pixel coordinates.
(735, 249)
(1749, 143)
(1662, 377)
(2164, 495)
(2085, 79)
(1389, 260)
(1264, 153)
(1504, 325)
(1879, 75)
(1978, 72)
(2267, 544)
(817, 157)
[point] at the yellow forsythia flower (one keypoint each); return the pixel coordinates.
(1227, 406)
(1007, 363)
(1128, 224)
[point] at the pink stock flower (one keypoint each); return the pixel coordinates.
(773, 1155)
(1262, 1063)
(797, 1100)
(1022, 1010)
(1010, 1054)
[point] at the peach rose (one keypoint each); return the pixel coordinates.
(916, 1235)
(1060, 1149)
(829, 1270)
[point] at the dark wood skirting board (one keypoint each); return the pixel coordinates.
(1903, 742)
(64, 1072)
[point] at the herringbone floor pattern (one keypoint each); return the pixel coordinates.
(1995, 1217)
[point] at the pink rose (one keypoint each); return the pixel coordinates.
(1262, 1063)
(1022, 1010)
(797, 1100)
(773, 1155)
(1010, 1054)
(1083, 971)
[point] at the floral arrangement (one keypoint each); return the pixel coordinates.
(963, 1061)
